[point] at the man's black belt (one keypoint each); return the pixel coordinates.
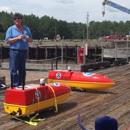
(18, 50)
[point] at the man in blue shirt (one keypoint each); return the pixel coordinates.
(18, 36)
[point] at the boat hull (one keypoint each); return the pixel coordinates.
(85, 85)
(34, 97)
(35, 107)
(84, 80)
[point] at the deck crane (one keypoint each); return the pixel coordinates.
(110, 3)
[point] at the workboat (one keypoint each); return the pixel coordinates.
(84, 80)
(24, 100)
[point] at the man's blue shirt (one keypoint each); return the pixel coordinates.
(14, 32)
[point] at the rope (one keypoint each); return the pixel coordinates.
(33, 121)
(28, 122)
(45, 59)
(79, 121)
(37, 100)
(56, 107)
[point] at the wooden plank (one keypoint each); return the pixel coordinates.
(114, 101)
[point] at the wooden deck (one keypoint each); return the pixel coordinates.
(114, 101)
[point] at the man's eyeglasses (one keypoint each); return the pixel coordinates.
(16, 18)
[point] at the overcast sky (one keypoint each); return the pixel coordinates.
(68, 10)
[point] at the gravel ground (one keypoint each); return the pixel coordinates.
(31, 75)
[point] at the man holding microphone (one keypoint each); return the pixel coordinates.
(18, 36)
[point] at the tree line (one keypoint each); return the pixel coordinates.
(49, 27)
